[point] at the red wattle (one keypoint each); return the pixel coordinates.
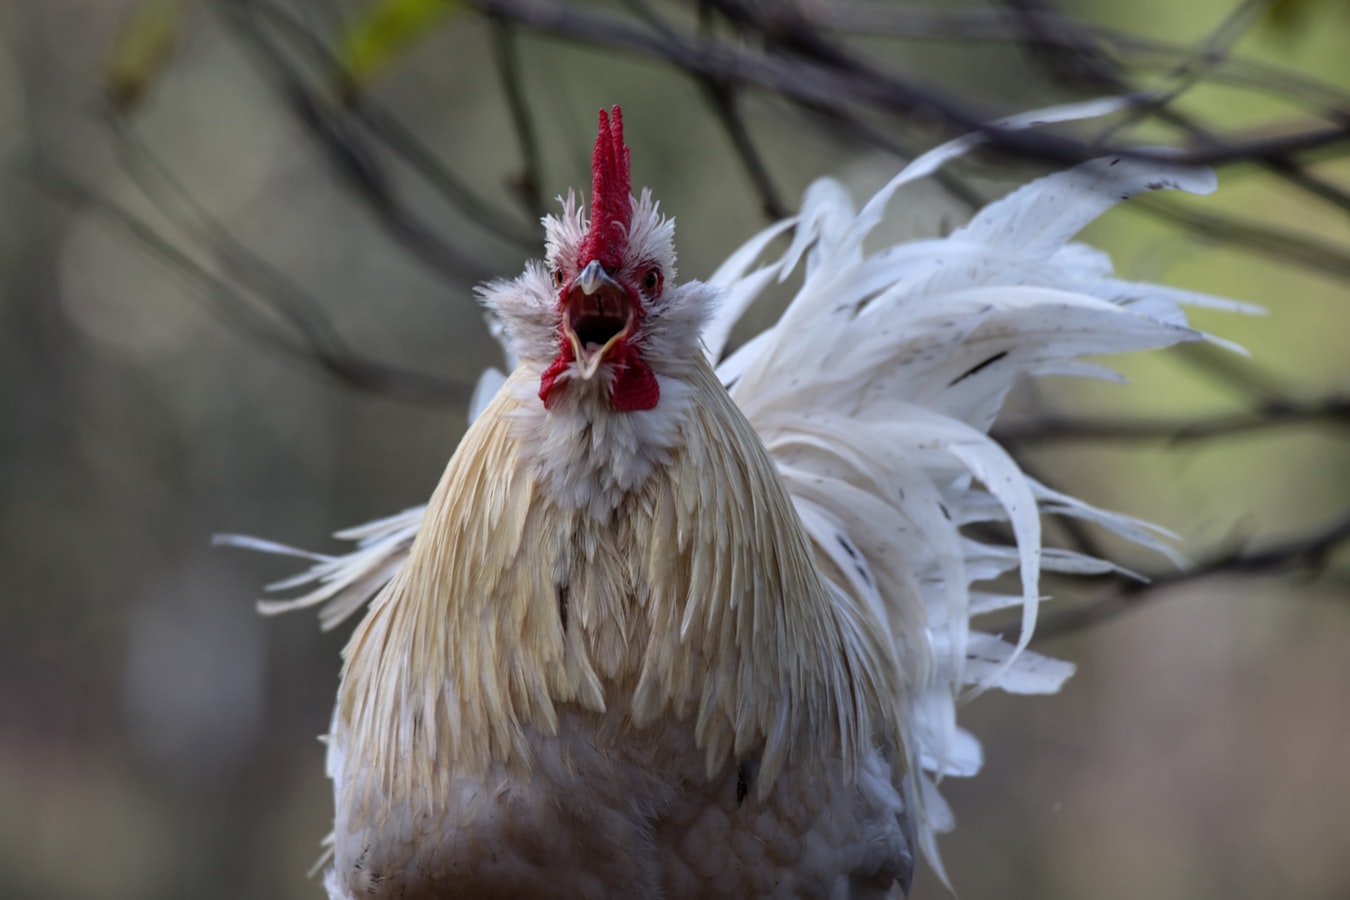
(548, 380)
(635, 386)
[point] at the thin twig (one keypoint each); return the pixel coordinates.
(1274, 243)
(529, 184)
(1060, 29)
(1228, 370)
(317, 346)
(1333, 410)
(723, 102)
(345, 133)
(1307, 553)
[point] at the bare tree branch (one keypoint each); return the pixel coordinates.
(314, 344)
(351, 136)
(818, 72)
(529, 184)
(1057, 29)
(799, 66)
(1308, 553)
(1274, 243)
(806, 57)
(1273, 413)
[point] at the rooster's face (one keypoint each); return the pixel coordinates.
(603, 314)
(600, 310)
(609, 278)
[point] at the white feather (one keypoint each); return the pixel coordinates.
(736, 289)
(876, 387)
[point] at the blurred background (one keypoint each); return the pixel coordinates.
(237, 251)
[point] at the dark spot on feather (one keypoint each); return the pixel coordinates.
(854, 555)
(1116, 160)
(745, 773)
(563, 593)
(946, 514)
(1124, 196)
(976, 369)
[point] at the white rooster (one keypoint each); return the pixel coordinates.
(674, 625)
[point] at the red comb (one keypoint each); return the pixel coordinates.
(611, 189)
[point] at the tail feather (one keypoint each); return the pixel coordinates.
(875, 390)
(1039, 218)
(341, 585)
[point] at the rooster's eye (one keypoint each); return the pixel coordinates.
(557, 278)
(653, 280)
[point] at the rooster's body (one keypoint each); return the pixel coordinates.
(571, 746)
(652, 638)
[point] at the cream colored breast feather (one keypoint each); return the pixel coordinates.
(698, 599)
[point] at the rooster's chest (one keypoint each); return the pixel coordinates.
(604, 811)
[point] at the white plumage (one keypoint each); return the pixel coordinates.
(872, 397)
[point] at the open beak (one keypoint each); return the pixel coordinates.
(598, 314)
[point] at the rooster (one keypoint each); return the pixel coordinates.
(680, 625)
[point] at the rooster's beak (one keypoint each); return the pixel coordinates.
(598, 314)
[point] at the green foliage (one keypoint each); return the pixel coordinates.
(1287, 16)
(382, 33)
(143, 47)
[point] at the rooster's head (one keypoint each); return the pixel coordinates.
(609, 274)
(601, 319)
